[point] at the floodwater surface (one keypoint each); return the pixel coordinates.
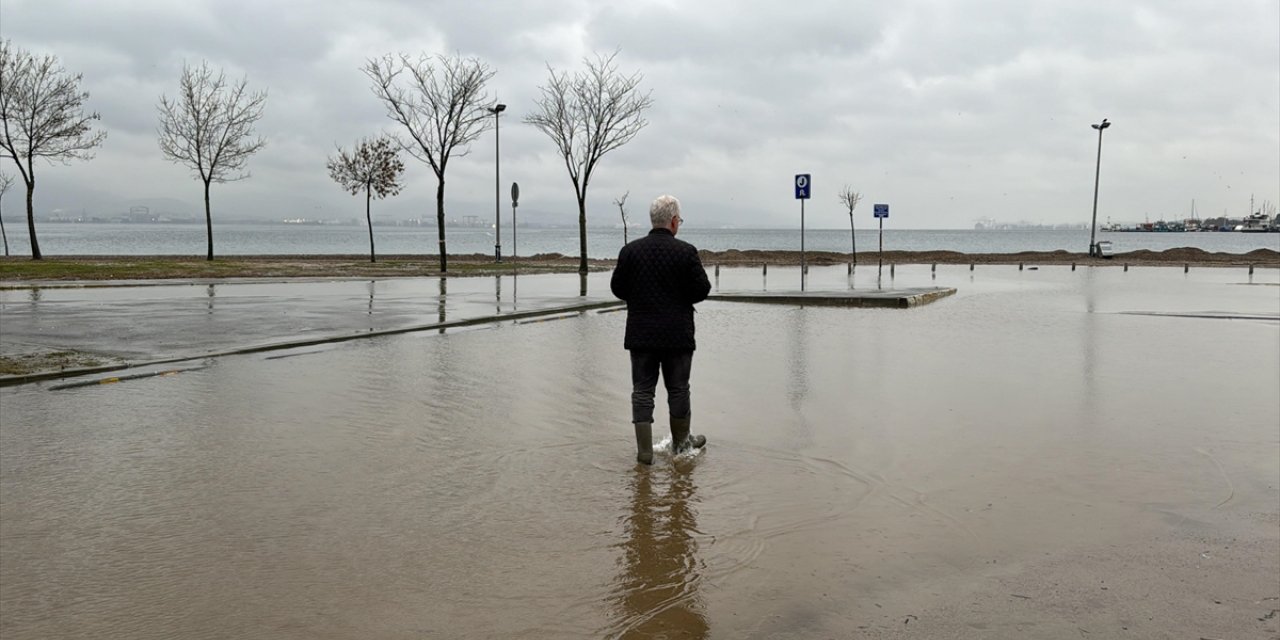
(1046, 453)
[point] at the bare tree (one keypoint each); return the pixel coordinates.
(6, 181)
(850, 199)
(441, 104)
(41, 116)
(622, 209)
(374, 167)
(588, 115)
(209, 128)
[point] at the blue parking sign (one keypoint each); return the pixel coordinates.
(882, 211)
(802, 186)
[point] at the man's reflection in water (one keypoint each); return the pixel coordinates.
(657, 587)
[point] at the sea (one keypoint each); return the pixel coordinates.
(603, 242)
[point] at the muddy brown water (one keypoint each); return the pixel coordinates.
(1037, 455)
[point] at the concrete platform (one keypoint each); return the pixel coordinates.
(876, 298)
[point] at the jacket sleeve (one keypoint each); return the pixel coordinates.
(699, 286)
(619, 282)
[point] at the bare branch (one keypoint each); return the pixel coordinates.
(587, 115)
(439, 102)
(622, 210)
(42, 109)
(209, 128)
(209, 125)
(850, 198)
(42, 116)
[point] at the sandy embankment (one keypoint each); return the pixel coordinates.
(1170, 257)
(21, 270)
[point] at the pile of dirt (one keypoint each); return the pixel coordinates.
(1185, 255)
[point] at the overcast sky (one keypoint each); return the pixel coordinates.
(948, 111)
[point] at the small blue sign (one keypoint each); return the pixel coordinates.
(803, 185)
(882, 211)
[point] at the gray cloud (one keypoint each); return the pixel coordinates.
(950, 110)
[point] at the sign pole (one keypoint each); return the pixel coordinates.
(515, 197)
(803, 186)
(802, 260)
(881, 212)
(881, 243)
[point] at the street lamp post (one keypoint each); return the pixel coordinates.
(1093, 228)
(497, 169)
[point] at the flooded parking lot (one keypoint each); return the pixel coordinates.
(1045, 453)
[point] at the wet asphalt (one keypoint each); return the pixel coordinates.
(143, 322)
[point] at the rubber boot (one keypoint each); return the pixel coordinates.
(644, 442)
(681, 441)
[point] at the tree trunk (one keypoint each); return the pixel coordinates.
(4, 235)
(853, 244)
(444, 259)
(582, 233)
(208, 219)
(31, 218)
(369, 220)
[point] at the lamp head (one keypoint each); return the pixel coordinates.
(498, 108)
(1102, 126)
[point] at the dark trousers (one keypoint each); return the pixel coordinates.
(675, 367)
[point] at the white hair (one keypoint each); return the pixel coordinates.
(663, 209)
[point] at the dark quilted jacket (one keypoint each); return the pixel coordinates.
(661, 278)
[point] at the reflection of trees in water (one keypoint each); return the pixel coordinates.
(656, 590)
(444, 290)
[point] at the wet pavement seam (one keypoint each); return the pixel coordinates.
(291, 344)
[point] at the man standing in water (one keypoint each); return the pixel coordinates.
(660, 278)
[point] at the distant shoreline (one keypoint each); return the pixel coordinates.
(22, 269)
